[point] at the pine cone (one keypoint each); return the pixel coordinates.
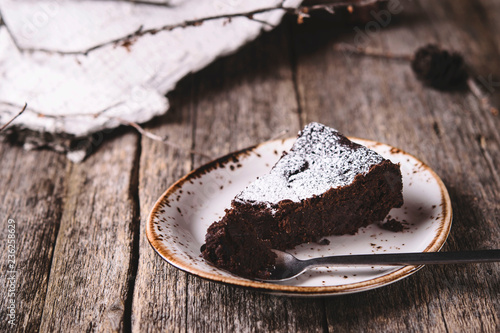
(439, 68)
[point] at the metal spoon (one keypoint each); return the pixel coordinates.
(288, 267)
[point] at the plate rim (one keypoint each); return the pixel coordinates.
(436, 244)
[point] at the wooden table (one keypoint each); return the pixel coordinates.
(83, 261)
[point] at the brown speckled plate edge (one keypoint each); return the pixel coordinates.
(169, 256)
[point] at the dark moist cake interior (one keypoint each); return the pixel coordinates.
(241, 241)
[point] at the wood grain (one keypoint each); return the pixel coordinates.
(88, 284)
(32, 190)
(159, 302)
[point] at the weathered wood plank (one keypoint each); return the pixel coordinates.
(381, 99)
(160, 289)
(89, 279)
(31, 195)
(247, 98)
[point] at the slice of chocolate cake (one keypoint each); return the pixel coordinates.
(325, 185)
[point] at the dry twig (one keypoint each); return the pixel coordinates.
(62, 116)
(278, 135)
(155, 137)
(122, 121)
(483, 99)
(145, 2)
(139, 32)
(12, 119)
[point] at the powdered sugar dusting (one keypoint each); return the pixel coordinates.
(319, 160)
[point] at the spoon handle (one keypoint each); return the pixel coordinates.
(402, 259)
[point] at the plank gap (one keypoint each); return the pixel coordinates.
(325, 317)
(136, 231)
(186, 291)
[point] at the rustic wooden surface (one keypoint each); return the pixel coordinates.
(84, 263)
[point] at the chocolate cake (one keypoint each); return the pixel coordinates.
(325, 185)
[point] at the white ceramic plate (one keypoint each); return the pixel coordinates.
(178, 222)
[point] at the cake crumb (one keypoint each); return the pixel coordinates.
(392, 225)
(324, 241)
